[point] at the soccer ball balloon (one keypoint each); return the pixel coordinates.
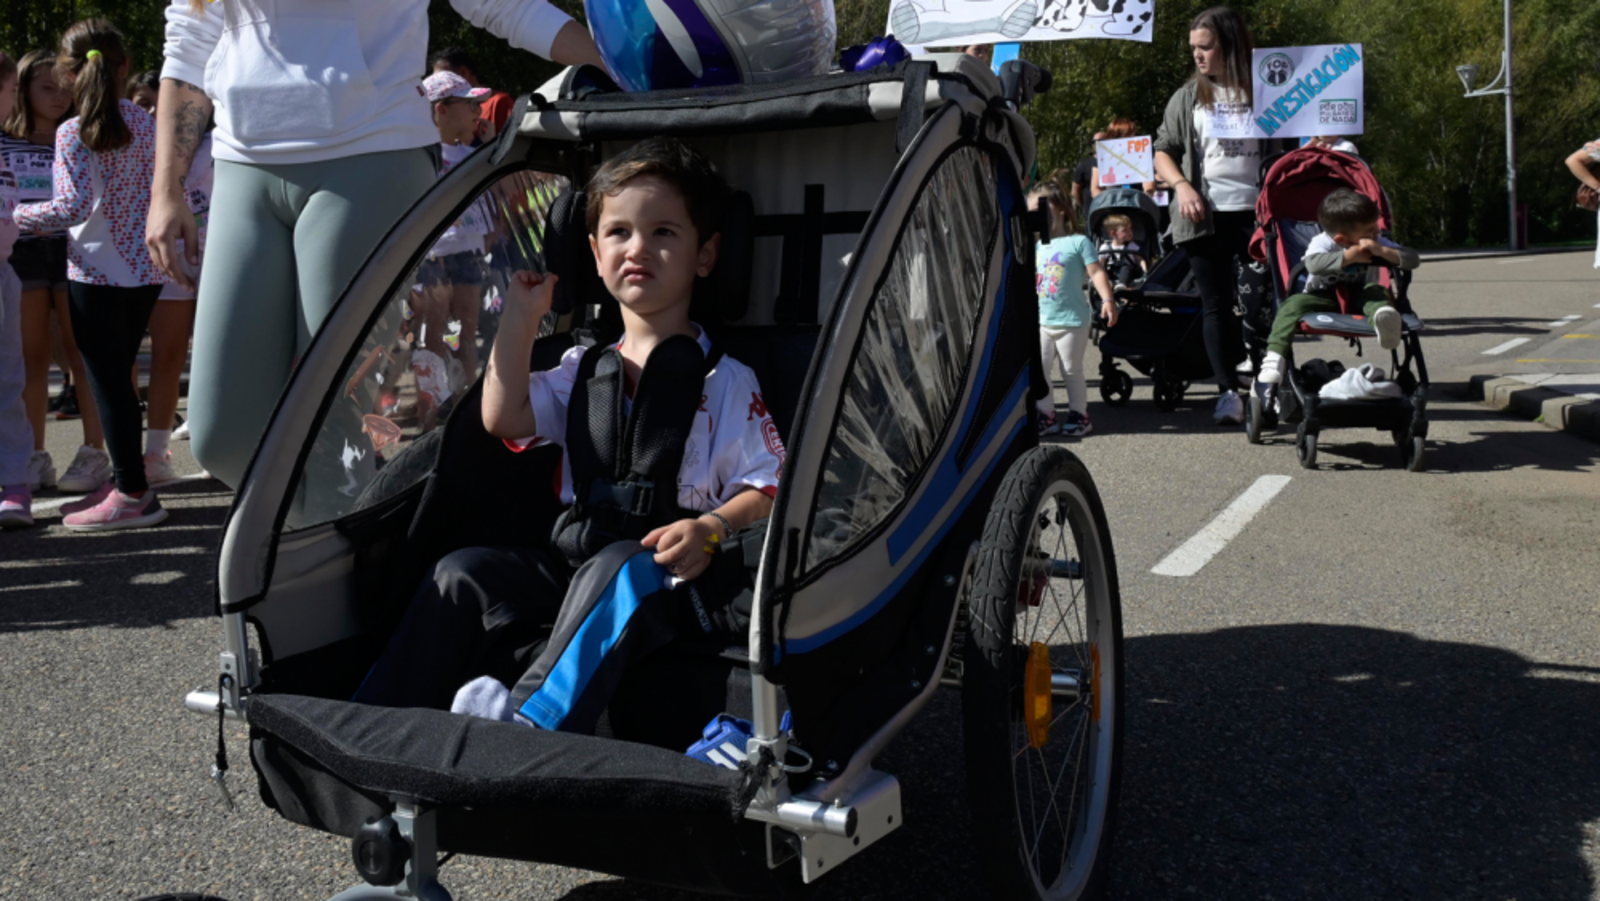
(654, 44)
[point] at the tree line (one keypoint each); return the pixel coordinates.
(1440, 156)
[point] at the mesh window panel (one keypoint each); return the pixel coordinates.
(915, 350)
(429, 344)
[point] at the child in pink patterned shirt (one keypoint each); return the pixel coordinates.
(105, 160)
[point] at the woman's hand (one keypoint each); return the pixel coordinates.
(171, 221)
(1190, 204)
(684, 547)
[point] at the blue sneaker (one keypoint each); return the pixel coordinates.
(724, 739)
(723, 742)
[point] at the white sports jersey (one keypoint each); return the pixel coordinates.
(732, 446)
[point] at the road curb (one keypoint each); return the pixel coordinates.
(1573, 415)
(1448, 256)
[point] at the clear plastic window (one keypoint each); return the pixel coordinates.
(915, 350)
(428, 345)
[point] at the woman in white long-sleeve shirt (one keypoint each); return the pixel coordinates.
(323, 139)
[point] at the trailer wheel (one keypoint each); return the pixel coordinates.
(1042, 695)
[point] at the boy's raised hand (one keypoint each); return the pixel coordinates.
(681, 547)
(530, 293)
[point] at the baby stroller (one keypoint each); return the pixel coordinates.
(1286, 213)
(1158, 330)
(1125, 266)
(876, 272)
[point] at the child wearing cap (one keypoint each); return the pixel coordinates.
(450, 280)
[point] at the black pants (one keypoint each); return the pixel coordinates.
(109, 323)
(482, 611)
(1216, 260)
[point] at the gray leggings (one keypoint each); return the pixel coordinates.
(283, 243)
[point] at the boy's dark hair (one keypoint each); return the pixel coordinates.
(455, 58)
(1344, 210)
(702, 188)
(150, 78)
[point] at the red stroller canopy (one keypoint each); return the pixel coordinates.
(1296, 183)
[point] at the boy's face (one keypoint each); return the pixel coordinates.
(1350, 237)
(1122, 234)
(647, 249)
(457, 119)
(145, 99)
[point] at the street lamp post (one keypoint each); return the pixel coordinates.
(1470, 72)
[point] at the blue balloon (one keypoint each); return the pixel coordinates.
(654, 44)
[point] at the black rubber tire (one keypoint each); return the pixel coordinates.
(1004, 827)
(1116, 387)
(1167, 395)
(1253, 413)
(1415, 451)
(1305, 448)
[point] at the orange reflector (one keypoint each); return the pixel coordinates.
(1036, 699)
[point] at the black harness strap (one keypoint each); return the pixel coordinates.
(625, 465)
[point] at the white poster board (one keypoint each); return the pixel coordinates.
(1124, 161)
(1300, 92)
(958, 23)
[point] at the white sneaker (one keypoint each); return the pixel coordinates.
(1386, 322)
(182, 431)
(1271, 368)
(1230, 409)
(158, 468)
(41, 471)
(89, 470)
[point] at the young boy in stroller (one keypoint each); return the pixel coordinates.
(1349, 253)
(1122, 256)
(660, 407)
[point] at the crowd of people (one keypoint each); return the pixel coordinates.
(114, 183)
(1205, 189)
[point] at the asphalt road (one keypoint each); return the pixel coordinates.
(1384, 687)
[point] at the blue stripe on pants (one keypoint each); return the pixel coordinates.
(638, 578)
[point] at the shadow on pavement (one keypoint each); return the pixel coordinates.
(52, 579)
(1293, 762)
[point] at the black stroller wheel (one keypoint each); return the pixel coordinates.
(1411, 449)
(1305, 448)
(1116, 387)
(1042, 688)
(1167, 395)
(1254, 410)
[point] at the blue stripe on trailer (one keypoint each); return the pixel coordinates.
(1016, 396)
(639, 578)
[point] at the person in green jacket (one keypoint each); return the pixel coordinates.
(1215, 185)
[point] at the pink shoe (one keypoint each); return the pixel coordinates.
(16, 507)
(118, 511)
(87, 503)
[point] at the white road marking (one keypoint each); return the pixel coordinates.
(1502, 348)
(53, 503)
(1565, 320)
(1195, 553)
(69, 583)
(1517, 260)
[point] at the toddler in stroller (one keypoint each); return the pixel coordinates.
(652, 215)
(1345, 257)
(1122, 222)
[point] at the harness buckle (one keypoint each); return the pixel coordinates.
(633, 498)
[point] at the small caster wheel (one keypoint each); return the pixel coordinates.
(1305, 448)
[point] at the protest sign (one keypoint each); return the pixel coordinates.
(958, 23)
(1302, 92)
(1124, 161)
(1299, 92)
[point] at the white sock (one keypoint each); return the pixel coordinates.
(156, 443)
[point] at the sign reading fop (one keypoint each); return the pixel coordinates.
(1124, 161)
(1300, 92)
